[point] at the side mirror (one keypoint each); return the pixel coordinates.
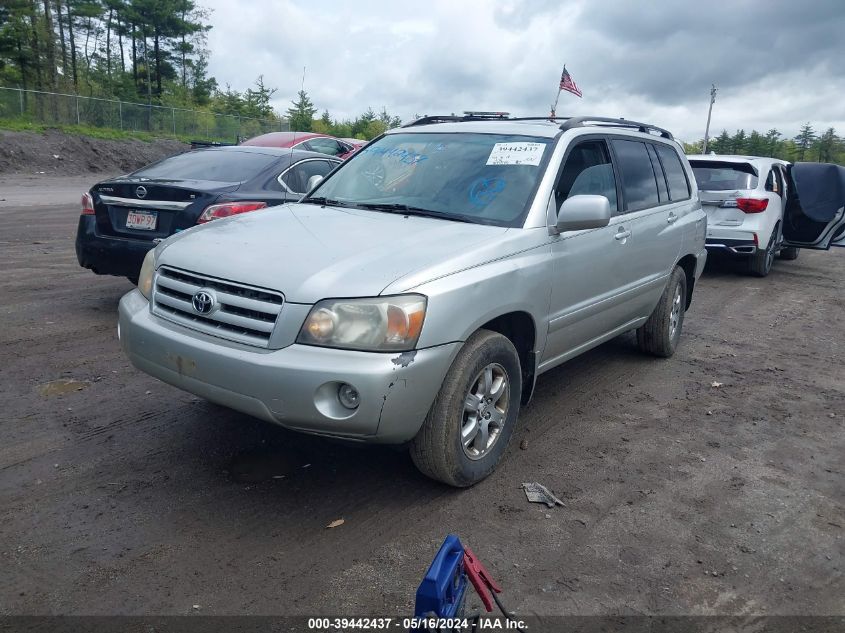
(583, 212)
(313, 181)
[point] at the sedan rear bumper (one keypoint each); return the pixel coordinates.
(296, 386)
(107, 255)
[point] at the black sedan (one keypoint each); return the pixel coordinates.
(125, 217)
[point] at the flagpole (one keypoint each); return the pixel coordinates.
(559, 88)
(554, 105)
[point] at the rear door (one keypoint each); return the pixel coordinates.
(652, 218)
(815, 209)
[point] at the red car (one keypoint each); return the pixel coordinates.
(309, 141)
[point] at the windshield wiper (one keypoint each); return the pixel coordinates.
(405, 209)
(329, 202)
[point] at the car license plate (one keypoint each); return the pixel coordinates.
(143, 220)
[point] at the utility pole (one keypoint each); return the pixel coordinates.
(709, 112)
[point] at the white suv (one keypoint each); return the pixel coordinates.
(744, 198)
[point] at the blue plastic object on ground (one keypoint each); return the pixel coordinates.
(443, 589)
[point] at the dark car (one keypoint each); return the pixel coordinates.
(125, 217)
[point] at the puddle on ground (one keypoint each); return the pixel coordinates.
(61, 386)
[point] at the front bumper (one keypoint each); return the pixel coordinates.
(296, 386)
(108, 255)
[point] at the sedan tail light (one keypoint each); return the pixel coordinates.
(87, 204)
(752, 205)
(226, 209)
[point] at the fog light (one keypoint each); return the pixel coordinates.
(348, 396)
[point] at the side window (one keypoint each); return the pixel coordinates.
(297, 178)
(639, 186)
(662, 192)
(324, 146)
(291, 180)
(587, 170)
(774, 183)
(782, 178)
(676, 177)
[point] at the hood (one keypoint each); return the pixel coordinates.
(309, 252)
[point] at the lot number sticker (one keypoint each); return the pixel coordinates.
(516, 154)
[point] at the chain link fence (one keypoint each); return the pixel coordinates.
(53, 108)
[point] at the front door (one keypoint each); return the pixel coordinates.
(590, 266)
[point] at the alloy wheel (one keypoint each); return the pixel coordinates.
(485, 411)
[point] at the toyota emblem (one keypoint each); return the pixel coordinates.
(203, 302)
(141, 191)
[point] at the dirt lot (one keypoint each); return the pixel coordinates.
(120, 494)
(54, 153)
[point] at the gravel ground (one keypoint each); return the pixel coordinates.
(710, 483)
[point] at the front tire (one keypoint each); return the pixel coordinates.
(662, 332)
(474, 414)
(789, 253)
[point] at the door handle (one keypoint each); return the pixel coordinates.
(622, 235)
(672, 218)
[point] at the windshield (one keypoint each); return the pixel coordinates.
(484, 178)
(723, 176)
(208, 164)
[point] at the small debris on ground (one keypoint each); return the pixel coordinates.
(523, 445)
(335, 523)
(538, 493)
(61, 386)
(716, 384)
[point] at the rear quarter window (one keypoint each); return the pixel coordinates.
(712, 175)
(676, 177)
(209, 164)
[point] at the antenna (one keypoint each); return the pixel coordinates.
(293, 141)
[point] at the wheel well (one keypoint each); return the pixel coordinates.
(688, 263)
(519, 328)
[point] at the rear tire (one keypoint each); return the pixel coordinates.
(761, 262)
(474, 414)
(789, 253)
(662, 332)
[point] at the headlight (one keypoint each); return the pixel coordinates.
(145, 277)
(380, 324)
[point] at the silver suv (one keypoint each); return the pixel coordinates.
(415, 294)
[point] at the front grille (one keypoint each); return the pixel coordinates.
(242, 313)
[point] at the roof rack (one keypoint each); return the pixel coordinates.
(581, 121)
(468, 115)
(568, 122)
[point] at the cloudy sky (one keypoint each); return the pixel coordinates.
(776, 63)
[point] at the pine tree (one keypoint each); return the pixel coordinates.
(804, 139)
(301, 114)
(772, 142)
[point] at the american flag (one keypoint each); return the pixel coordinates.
(568, 84)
